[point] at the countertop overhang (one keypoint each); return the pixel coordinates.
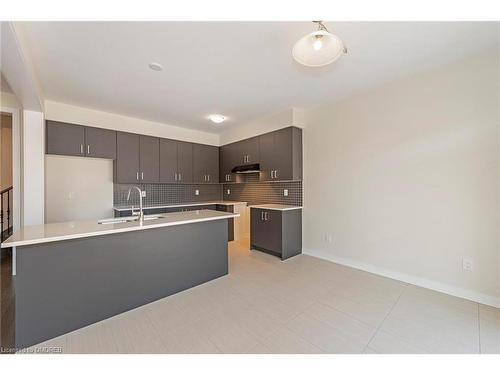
(276, 207)
(35, 234)
(174, 205)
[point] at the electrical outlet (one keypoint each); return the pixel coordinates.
(196, 192)
(228, 191)
(285, 192)
(467, 264)
(143, 193)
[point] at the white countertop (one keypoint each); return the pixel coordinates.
(173, 205)
(277, 207)
(36, 234)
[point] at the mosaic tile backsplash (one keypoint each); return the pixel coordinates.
(251, 191)
(265, 192)
(157, 194)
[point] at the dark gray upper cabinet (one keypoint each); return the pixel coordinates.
(127, 158)
(176, 161)
(246, 151)
(100, 143)
(228, 160)
(281, 155)
(185, 162)
(65, 139)
(168, 160)
(212, 164)
(78, 140)
(205, 164)
(149, 159)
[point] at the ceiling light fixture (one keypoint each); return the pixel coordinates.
(155, 66)
(318, 48)
(215, 118)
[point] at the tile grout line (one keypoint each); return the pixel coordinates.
(385, 318)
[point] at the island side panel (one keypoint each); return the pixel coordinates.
(62, 286)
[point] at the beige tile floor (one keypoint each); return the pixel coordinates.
(302, 305)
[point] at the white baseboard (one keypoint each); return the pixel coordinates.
(414, 280)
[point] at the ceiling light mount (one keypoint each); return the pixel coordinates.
(155, 66)
(318, 48)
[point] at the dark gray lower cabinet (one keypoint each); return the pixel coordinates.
(230, 222)
(276, 232)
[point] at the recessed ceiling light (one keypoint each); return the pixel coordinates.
(217, 118)
(155, 66)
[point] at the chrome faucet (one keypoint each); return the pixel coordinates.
(141, 213)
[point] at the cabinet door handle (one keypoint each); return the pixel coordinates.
(81, 149)
(88, 149)
(137, 176)
(142, 175)
(265, 216)
(275, 173)
(208, 178)
(262, 216)
(180, 177)
(175, 176)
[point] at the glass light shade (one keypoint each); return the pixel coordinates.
(216, 118)
(319, 48)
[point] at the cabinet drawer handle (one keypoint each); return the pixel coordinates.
(265, 216)
(262, 216)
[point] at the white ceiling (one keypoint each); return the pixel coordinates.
(243, 70)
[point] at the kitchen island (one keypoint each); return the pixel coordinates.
(70, 275)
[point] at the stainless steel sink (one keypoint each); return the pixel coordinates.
(126, 219)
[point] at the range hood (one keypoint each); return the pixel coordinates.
(247, 168)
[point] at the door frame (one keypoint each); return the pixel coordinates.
(16, 164)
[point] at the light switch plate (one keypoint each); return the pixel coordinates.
(228, 191)
(285, 192)
(143, 193)
(196, 192)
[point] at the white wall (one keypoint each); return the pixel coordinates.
(85, 116)
(77, 188)
(8, 100)
(405, 179)
(290, 117)
(32, 177)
